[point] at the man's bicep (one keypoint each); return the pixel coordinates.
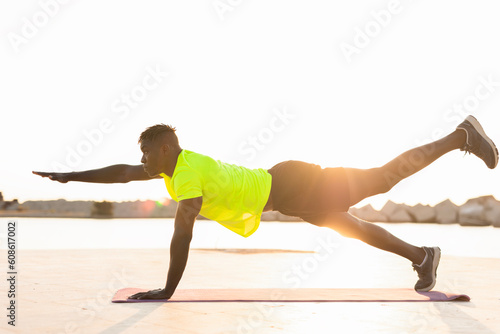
(186, 214)
(190, 208)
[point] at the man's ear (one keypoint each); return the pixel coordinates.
(165, 148)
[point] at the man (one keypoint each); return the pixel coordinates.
(236, 196)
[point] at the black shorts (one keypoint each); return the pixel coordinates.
(305, 190)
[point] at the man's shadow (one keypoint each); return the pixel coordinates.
(143, 309)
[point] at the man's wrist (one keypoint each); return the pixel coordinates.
(168, 292)
(70, 176)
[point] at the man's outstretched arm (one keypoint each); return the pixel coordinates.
(111, 174)
(186, 214)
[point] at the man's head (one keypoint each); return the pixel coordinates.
(160, 148)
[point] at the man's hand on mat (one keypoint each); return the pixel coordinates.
(151, 294)
(61, 177)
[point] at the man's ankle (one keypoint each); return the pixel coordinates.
(422, 255)
(459, 137)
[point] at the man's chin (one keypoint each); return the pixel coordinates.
(152, 174)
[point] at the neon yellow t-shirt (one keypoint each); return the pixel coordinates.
(234, 196)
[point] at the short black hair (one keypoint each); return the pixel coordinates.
(158, 131)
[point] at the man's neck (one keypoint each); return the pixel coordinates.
(172, 163)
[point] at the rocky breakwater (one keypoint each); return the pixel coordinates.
(481, 211)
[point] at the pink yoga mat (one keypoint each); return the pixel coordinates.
(293, 295)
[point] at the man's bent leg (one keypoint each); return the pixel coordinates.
(425, 259)
(364, 183)
(374, 235)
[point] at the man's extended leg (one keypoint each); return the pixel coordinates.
(469, 136)
(364, 183)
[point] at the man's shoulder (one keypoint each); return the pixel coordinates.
(196, 161)
(190, 164)
(190, 156)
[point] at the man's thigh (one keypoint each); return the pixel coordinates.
(365, 183)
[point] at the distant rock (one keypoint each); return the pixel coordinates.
(470, 215)
(10, 205)
(401, 216)
(275, 216)
(396, 213)
(390, 208)
(269, 216)
(284, 218)
(368, 213)
(477, 211)
(422, 213)
(446, 212)
(493, 216)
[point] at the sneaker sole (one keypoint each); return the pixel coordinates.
(435, 263)
(475, 123)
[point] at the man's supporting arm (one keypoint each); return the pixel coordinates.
(111, 174)
(186, 214)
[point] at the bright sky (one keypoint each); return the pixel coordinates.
(349, 84)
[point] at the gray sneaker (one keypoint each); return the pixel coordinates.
(478, 143)
(427, 270)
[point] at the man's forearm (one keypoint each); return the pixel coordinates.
(110, 174)
(179, 250)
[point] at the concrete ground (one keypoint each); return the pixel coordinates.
(70, 291)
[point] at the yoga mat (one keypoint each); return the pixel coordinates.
(293, 295)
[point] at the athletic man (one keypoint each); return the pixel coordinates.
(236, 196)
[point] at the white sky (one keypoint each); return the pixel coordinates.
(231, 70)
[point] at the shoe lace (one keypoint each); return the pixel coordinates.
(471, 149)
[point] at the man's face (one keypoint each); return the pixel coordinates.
(151, 157)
